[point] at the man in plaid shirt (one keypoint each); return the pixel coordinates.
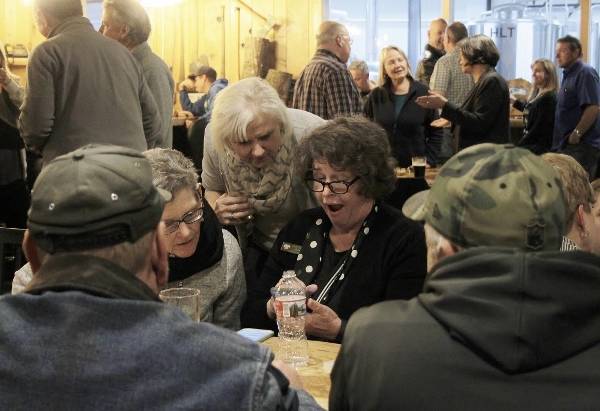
(325, 86)
(449, 80)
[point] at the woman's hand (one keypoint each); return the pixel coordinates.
(322, 322)
(433, 100)
(310, 290)
(233, 209)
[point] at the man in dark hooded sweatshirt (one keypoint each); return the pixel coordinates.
(505, 320)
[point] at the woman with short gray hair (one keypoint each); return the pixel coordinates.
(247, 168)
(483, 117)
(201, 254)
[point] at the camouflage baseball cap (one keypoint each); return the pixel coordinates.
(497, 195)
(94, 197)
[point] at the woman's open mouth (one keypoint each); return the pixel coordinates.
(334, 208)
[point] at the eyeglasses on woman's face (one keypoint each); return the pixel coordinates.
(191, 217)
(336, 187)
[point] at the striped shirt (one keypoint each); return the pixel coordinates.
(325, 88)
(568, 245)
(448, 78)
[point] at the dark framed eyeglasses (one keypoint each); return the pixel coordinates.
(336, 187)
(190, 217)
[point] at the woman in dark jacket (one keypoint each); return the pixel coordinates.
(538, 110)
(483, 117)
(353, 249)
(392, 105)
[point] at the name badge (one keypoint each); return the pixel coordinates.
(291, 248)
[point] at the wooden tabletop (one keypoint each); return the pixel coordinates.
(315, 376)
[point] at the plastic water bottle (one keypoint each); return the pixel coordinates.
(290, 308)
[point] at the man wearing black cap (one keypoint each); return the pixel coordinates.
(505, 320)
(90, 333)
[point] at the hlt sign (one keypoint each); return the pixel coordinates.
(502, 32)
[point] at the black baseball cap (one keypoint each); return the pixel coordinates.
(93, 197)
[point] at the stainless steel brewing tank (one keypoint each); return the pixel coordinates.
(521, 35)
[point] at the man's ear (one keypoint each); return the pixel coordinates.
(580, 220)
(31, 252)
(160, 256)
(124, 32)
(338, 40)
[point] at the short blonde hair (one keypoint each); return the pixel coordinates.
(384, 79)
(239, 105)
(575, 180)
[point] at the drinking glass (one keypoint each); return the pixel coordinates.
(186, 299)
(418, 166)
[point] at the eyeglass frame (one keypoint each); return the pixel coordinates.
(310, 182)
(198, 218)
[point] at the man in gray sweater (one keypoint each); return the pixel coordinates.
(127, 22)
(83, 88)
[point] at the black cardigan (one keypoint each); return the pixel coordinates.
(408, 133)
(391, 265)
(483, 117)
(539, 122)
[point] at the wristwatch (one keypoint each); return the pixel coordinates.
(577, 132)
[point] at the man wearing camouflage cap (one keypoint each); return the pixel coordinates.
(505, 320)
(90, 333)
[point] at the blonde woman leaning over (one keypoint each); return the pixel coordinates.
(247, 171)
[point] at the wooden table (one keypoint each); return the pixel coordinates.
(315, 376)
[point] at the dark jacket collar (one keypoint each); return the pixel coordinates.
(412, 89)
(91, 275)
(435, 53)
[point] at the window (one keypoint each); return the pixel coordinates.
(93, 11)
(374, 24)
(527, 29)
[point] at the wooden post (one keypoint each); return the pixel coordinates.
(447, 13)
(584, 28)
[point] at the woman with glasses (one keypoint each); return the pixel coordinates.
(353, 249)
(247, 171)
(201, 254)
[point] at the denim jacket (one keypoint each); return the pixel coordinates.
(90, 335)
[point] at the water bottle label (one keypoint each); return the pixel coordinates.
(291, 308)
